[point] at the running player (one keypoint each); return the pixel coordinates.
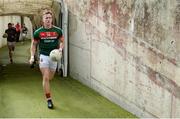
(11, 39)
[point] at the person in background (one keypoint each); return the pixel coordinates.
(11, 39)
(24, 31)
(18, 29)
(13, 25)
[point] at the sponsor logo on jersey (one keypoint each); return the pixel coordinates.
(48, 35)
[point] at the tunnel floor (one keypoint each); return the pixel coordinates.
(21, 93)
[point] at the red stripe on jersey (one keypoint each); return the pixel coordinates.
(48, 34)
(42, 34)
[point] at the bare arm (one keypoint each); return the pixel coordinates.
(33, 47)
(61, 45)
(33, 50)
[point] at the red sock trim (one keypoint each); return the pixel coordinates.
(48, 95)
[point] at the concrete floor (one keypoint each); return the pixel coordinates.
(21, 93)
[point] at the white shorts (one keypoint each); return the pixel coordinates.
(24, 35)
(46, 62)
(11, 43)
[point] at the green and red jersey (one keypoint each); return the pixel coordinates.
(48, 39)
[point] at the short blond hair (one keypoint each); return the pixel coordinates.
(47, 11)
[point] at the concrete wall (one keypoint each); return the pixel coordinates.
(128, 51)
(4, 20)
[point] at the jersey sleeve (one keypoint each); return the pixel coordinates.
(60, 33)
(36, 36)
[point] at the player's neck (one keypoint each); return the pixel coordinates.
(48, 26)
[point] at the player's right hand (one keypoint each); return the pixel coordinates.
(31, 61)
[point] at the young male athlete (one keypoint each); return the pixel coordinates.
(48, 37)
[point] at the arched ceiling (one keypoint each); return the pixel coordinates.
(23, 7)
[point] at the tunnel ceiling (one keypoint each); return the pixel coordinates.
(23, 7)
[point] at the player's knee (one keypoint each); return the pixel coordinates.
(46, 78)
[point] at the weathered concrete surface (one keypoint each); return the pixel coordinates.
(80, 47)
(23, 7)
(128, 50)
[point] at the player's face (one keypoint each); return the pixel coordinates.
(9, 26)
(47, 20)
